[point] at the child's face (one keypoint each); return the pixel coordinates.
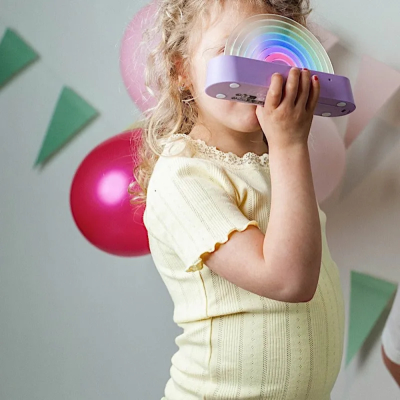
(216, 113)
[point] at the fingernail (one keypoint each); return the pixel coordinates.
(315, 77)
(305, 69)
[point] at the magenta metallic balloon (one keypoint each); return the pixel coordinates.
(99, 198)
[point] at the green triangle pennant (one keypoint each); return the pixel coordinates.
(369, 297)
(71, 114)
(15, 55)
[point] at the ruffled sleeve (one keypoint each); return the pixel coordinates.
(192, 207)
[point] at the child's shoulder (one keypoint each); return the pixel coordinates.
(186, 166)
(181, 169)
(178, 154)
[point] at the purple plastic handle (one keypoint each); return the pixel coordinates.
(247, 80)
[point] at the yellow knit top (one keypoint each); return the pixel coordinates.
(235, 344)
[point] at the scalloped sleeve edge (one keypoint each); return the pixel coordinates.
(197, 265)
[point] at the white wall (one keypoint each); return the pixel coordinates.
(77, 323)
(364, 213)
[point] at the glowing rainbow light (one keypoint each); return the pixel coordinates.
(278, 39)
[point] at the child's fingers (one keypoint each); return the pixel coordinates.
(274, 94)
(291, 87)
(314, 94)
(304, 89)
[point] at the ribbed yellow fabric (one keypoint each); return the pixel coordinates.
(235, 344)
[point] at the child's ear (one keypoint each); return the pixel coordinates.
(181, 75)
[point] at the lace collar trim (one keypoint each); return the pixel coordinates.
(229, 158)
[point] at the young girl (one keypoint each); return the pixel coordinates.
(234, 227)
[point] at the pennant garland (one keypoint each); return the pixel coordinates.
(71, 114)
(15, 55)
(368, 298)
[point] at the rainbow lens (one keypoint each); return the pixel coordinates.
(278, 39)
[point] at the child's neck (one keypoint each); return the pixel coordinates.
(253, 142)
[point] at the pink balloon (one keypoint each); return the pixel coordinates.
(327, 156)
(133, 58)
(99, 198)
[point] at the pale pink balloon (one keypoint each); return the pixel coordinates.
(327, 156)
(100, 202)
(133, 57)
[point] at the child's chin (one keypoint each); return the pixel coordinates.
(250, 126)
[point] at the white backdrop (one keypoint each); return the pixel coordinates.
(79, 324)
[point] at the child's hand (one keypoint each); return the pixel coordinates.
(289, 121)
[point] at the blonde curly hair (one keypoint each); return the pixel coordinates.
(177, 24)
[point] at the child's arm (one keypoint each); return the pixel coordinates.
(293, 244)
(391, 340)
(284, 264)
(391, 366)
